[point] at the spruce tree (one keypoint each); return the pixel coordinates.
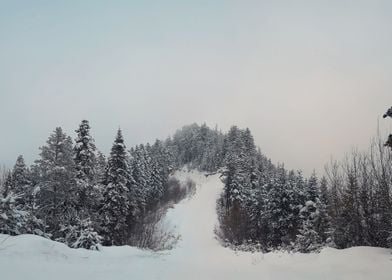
(20, 176)
(308, 238)
(100, 168)
(84, 150)
(324, 227)
(163, 159)
(348, 231)
(156, 183)
(312, 188)
(13, 219)
(140, 176)
(8, 184)
(278, 209)
(56, 199)
(115, 207)
(85, 165)
(22, 185)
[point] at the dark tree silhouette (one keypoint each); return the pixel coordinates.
(388, 113)
(389, 141)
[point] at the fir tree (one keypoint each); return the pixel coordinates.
(140, 176)
(308, 239)
(55, 189)
(85, 165)
(156, 183)
(324, 227)
(116, 207)
(8, 184)
(100, 167)
(13, 219)
(20, 176)
(312, 188)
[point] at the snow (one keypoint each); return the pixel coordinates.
(197, 255)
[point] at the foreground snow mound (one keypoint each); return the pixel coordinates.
(197, 255)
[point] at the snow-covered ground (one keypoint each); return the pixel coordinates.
(198, 255)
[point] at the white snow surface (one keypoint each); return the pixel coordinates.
(197, 255)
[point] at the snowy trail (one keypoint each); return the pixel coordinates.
(195, 218)
(198, 254)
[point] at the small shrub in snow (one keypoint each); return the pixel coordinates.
(81, 235)
(13, 220)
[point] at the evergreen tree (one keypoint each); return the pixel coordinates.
(248, 142)
(324, 227)
(382, 213)
(349, 223)
(312, 188)
(156, 183)
(85, 165)
(13, 219)
(84, 153)
(163, 159)
(8, 184)
(140, 176)
(308, 239)
(116, 207)
(20, 176)
(22, 185)
(55, 189)
(100, 168)
(278, 208)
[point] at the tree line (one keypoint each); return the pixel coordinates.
(73, 194)
(267, 207)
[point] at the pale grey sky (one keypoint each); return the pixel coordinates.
(309, 78)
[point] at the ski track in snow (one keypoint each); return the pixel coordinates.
(197, 255)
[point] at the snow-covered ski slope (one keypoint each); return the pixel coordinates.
(197, 256)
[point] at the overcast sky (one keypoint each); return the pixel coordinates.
(309, 78)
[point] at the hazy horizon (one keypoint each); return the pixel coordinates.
(310, 79)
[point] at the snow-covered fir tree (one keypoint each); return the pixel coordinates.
(86, 171)
(13, 219)
(308, 238)
(55, 189)
(20, 176)
(16, 218)
(156, 183)
(8, 184)
(84, 152)
(116, 206)
(324, 226)
(279, 209)
(22, 186)
(100, 167)
(140, 175)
